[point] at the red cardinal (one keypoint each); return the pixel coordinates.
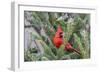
(58, 38)
(69, 48)
(58, 41)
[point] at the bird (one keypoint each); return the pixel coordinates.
(58, 41)
(58, 38)
(69, 48)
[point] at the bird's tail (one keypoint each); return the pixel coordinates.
(76, 51)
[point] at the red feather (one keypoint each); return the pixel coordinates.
(69, 48)
(58, 38)
(58, 41)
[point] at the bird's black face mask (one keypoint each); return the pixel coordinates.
(61, 34)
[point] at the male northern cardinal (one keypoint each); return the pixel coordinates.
(58, 38)
(58, 41)
(69, 48)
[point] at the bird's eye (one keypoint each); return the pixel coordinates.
(61, 33)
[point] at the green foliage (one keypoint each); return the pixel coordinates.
(60, 52)
(76, 31)
(30, 55)
(48, 51)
